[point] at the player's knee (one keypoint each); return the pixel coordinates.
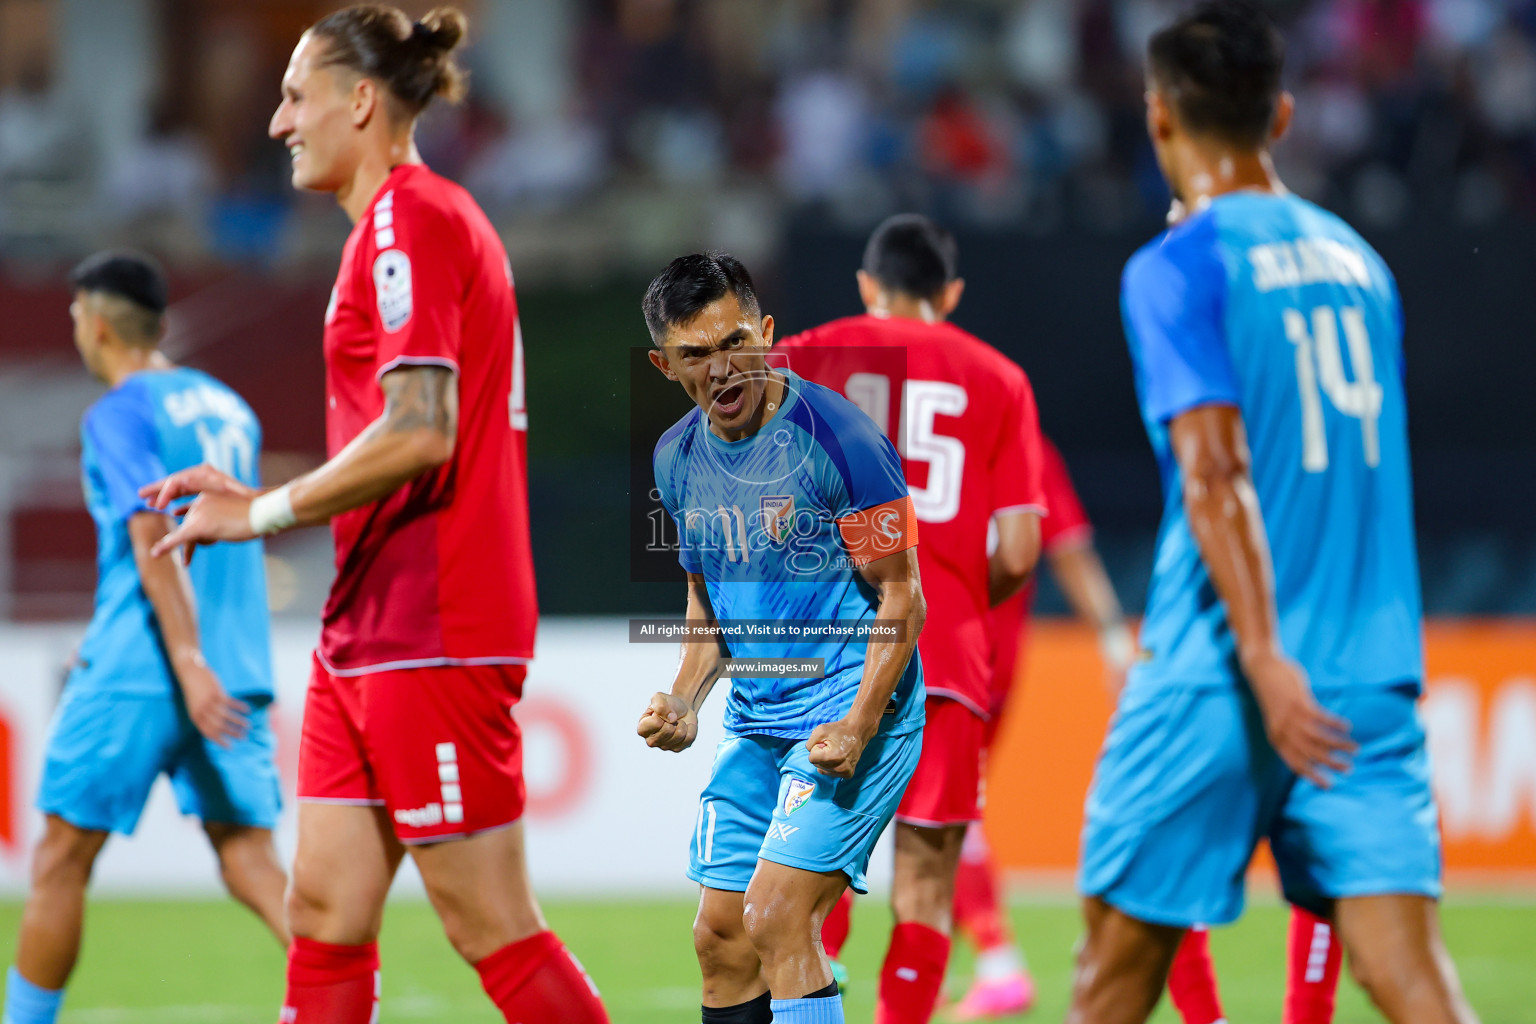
(65, 855)
(1387, 977)
(772, 927)
(245, 855)
(722, 946)
(926, 899)
(309, 903)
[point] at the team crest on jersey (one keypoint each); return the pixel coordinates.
(392, 285)
(778, 512)
(799, 792)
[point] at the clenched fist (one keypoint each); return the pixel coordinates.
(669, 723)
(837, 746)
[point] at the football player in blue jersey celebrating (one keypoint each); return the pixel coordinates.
(174, 674)
(1276, 695)
(792, 512)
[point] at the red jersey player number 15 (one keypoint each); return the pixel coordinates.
(441, 571)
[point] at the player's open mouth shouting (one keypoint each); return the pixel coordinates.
(729, 399)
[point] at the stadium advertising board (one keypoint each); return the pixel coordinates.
(607, 815)
(1479, 709)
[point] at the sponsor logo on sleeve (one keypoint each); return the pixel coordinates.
(392, 285)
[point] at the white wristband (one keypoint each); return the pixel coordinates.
(1117, 646)
(272, 511)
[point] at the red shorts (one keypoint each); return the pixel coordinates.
(945, 787)
(437, 747)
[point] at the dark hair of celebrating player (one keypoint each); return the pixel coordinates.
(689, 284)
(1220, 64)
(137, 281)
(414, 59)
(912, 255)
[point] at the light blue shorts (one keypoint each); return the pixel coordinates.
(105, 751)
(765, 801)
(1188, 784)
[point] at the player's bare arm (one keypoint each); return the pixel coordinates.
(1079, 572)
(1018, 551)
(1211, 446)
(217, 715)
(414, 435)
(671, 720)
(835, 747)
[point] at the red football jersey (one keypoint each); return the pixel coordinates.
(441, 571)
(1066, 525)
(963, 417)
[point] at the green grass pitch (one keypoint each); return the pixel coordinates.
(209, 962)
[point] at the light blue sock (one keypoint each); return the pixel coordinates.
(804, 1011)
(25, 1003)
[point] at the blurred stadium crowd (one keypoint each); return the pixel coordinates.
(991, 113)
(607, 136)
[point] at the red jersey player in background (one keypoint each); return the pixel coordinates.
(408, 740)
(963, 416)
(1002, 985)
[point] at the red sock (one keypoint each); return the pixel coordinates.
(834, 930)
(537, 981)
(1312, 970)
(977, 909)
(1192, 980)
(912, 975)
(330, 984)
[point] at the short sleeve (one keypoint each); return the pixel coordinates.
(863, 482)
(120, 430)
(1067, 523)
(1016, 471)
(1172, 301)
(417, 285)
(663, 462)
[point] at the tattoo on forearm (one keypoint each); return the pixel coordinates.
(421, 396)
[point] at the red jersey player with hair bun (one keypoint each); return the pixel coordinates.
(408, 741)
(963, 416)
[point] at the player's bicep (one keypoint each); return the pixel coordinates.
(145, 529)
(1210, 444)
(421, 398)
(699, 604)
(1018, 541)
(701, 611)
(892, 573)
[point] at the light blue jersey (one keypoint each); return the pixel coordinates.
(1278, 307)
(152, 424)
(122, 721)
(777, 523)
(766, 520)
